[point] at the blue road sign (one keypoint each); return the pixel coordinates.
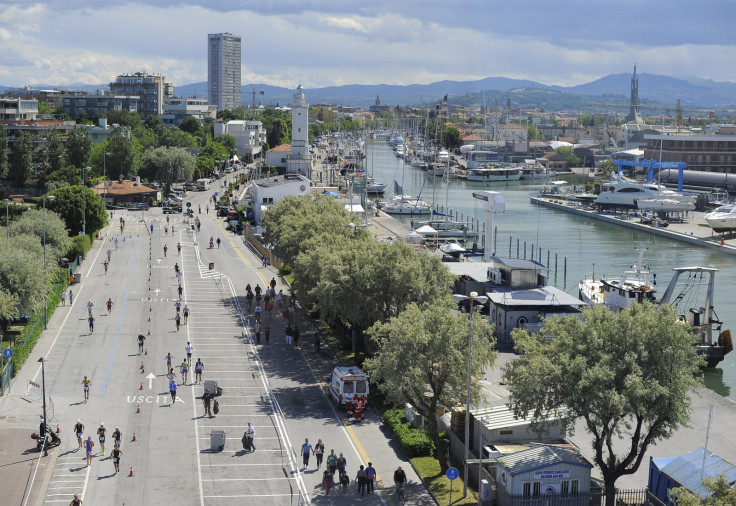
(7, 353)
(452, 474)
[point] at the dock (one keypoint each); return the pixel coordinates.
(693, 230)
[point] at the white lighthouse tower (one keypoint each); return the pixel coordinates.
(300, 161)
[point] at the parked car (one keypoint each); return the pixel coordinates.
(174, 196)
(138, 206)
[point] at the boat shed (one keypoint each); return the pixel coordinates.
(666, 473)
(541, 471)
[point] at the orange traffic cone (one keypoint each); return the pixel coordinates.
(141, 388)
(131, 471)
(149, 319)
(134, 439)
(139, 409)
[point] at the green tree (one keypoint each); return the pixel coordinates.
(115, 117)
(451, 137)
(67, 176)
(79, 147)
(167, 165)
(586, 120)
(55, 150)
(82, 118)
(606, 168)
(4, 168)
(423, 360)
(191, 125)
(21, 270)
(720, 493)
(175, 138)
(69, 202)
(22, 157)
(203, 165)
(228, 141)
(122, 153)
(44, 108)
(628, 375)
(8, 302)
(569, 154)
(31, 223)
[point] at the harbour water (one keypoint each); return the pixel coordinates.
(587, 245)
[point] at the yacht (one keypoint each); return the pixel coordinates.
(664, 204)
(404, 204)
(723, 219)
(493, 173)
(373, 187)
(621, 192)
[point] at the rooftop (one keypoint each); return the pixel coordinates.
(541, 457)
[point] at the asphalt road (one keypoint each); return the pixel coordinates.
(275, 387)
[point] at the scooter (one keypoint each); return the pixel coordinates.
(52, 440)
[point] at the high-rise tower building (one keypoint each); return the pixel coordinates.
(223, 70)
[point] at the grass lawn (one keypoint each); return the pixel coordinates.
(429, 469)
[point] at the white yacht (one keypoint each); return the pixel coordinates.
(664, 204)
(723, 219)
(404, 204)
(621, 192)
(494, 173)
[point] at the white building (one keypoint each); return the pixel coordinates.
(223, 70)
(300, 161)
(176, 109)
(270, 191)
(278, 156)
(249, 136)
(542, 471)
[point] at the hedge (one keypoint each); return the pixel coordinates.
(413, 442)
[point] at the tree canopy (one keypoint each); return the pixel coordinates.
(424, 360)
(569, 154)
(69, 204)
(720, 493)
(31, 223)
(4, 168)
(628, 375)
(22, 157)
(79, 147)
(167, 165)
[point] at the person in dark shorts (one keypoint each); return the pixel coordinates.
(116, 454)
(141, 339)
(198, 368)
(101, 434)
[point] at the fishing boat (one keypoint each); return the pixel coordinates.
(494, 173)
(723, 219)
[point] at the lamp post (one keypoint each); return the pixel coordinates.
(84, 201)
(482, 299)
(46, 294)
(43, 386)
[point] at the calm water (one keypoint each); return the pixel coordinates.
(586, 244)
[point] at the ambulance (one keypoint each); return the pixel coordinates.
(348, 380)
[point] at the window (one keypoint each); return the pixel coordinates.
(347, 387)
(565, 487)
(532, 488)
(537, 489)
(360, 387)
(527, 492)
(574, 487)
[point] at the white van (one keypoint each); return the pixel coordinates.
(203, 184)
(348, 380)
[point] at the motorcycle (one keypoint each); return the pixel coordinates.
(52, 440)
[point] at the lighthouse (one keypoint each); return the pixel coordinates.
(300, 161)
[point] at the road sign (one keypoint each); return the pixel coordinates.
(7, 353)
(189, 204)
(452, 474)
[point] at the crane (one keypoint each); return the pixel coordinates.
(253, 92)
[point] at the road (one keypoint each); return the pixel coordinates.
(275, 387)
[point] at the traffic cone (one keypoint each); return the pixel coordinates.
(134, 439)
(139, 409)
(57, 429)
(143, 368)
(146, 353)
(131, 471)
(149, 319)
(141, 388)
(150, 309)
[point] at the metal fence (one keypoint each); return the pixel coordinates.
(594, 498)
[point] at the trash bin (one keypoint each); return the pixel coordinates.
(212, 266)
(217, 440)
(210, 387)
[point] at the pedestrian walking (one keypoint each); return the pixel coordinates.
(89, 447)
(273, 283)
(172, 390)
(208, 209)
(344, 483)
(91, 321)
(151, 228)
(332, 461)
(267, 333)
(280, 299)
(257, 313)
(257, 329)
(141, 339)
(306, 449)
(76, 501)
(166, 248)
(327, 478)
(319, 452)
(206, 400)
(360, 478)
(285, 315)
(109, 305)
(264, 261)
(342, 463)
(79, 431)
(117, 436)
(116, 454)
(295, 335)
(258, 290)
(218, 243)
(116, 242)
(200, 209)
(105, 264)
(71, 297)
(109, 255)
(184, 369)
(178, 248)
(101, 436)
(189, 349)
(178, 322)
(186, 314)
(85, 385)
(370, 475)
(63, 298)
(198, 368)
(166, 229)
(249, 436)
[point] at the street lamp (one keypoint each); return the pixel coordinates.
(43, 385)
(84, 201)
(481, 299)
(46, 294)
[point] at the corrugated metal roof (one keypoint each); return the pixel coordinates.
(546, 296)
(685, 469)
(541, 457)
(499, 417)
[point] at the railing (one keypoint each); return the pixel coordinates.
(639, 497)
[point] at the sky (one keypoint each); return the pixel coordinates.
(320, 43)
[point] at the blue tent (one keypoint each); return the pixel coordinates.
(666, 473)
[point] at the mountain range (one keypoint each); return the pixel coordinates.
(656, 92)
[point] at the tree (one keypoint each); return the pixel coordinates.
(451, 136)
(628, 375)
(122, 157)
(55, 151)
(228, 141)
(21, 270)
(167, 165)
(8, 304)
(31, 223)
(569, 154)
(69, 203)
(22, 157)
(606, 168)
(720, 493)
(191, 125)
(79, 147)
(423, 360)
(67, 176)
(4, 168)
(175, 138)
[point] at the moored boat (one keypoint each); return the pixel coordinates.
(493, 173)
(722, 219)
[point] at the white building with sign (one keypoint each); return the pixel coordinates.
(541, 471)
(271, 190)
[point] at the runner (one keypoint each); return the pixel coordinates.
(117, 436)
(79, 431)
(198, 368)
(101, 433)
(116, 454)
(109, 255)
(178, 247)
(89, 308)
(89, 446)
(151, 228)
(186, 314)
(91, 323)
(105, 264)
(184, 369)
(166, 227)
(166, 248)
(109, 305)
(76, 501)
(172, 390)
(181, 291)
(169, 358)
(178, 322)
(177, 305)
(85, 384)
(189, 348)
(141, 339)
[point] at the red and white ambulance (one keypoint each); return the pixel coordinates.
(349, 380)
